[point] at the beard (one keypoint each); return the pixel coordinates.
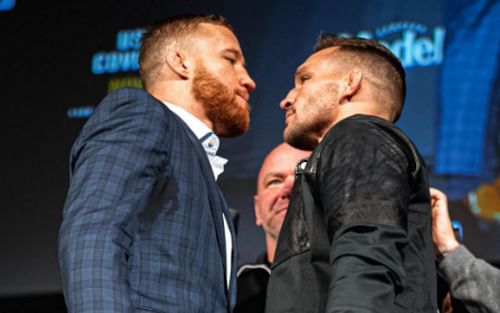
(312, 122)
(306, 134)
(219, 103)
(299, 136)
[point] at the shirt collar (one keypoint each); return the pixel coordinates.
(209, 141)
(197, 127)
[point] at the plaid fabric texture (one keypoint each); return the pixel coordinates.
(142, 227)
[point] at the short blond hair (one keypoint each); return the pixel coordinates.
(159, 36)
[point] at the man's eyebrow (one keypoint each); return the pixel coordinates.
(236, 53)
(232, 50)
(271, 175)
(301, 71)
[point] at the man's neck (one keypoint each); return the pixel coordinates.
(179, 94)
(354, 108)
(270, 249)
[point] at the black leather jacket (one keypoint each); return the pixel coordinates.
(357, 234)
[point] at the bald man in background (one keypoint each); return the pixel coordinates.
(274, 185)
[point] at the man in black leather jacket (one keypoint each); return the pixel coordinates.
(357, 234)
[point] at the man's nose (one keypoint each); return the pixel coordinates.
(288, 100)
(287, 186)
(248, 82)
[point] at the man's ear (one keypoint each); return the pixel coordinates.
(352, 84)
(258, 220)
(178, 61)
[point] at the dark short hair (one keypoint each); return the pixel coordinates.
(378, 59)
(158, 36)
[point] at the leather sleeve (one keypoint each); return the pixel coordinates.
(364, 183)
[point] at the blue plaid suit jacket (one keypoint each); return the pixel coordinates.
(142, 228)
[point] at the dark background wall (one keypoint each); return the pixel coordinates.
(58, 60)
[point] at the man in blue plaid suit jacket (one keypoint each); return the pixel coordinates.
(145, 226)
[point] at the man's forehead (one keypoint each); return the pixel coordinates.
(219, 37)
(317, 61)
(283, 159)
(272, 164)
(215, 30)
(326, 52)
(321, 55)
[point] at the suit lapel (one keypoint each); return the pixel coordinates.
(234, 256)
(217, 203)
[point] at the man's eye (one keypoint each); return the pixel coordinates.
(303, 78)
(273, 182)
(231, 60)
